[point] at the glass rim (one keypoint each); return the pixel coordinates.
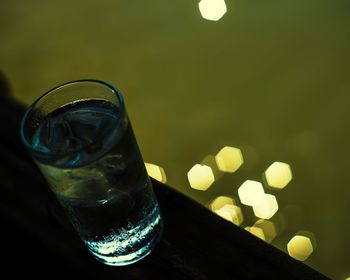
(32, 107)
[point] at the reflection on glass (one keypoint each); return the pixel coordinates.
(267, 207)
(251, 192)
(300, 247)
(229, 159)
(156, 172)
(278, 175)
(200, 177)
(231, 213)
(212, 9)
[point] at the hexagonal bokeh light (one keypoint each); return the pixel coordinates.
(268, 228)
(231, 213)
(220, 202)
(300, 247)
(266, 207)
(258, 232)
(229, 159)
(278, 175)
(251, 192)
(156, 172)
(212, 9)
(200, 177)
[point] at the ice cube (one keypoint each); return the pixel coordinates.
(89, 125)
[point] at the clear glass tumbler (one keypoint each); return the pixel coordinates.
(81, 138)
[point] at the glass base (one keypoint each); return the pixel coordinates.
(125, 259)
(128, 246)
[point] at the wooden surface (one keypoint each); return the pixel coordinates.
(196, 244)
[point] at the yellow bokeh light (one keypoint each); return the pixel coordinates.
(258, 232)
(229, 159)
(278, 175)
(309, 235)
(224, 214)
(212, 9)
(268, 229)
(156, 172)
(200, 177)
(300, 247)
(221, 201)
(231, 213)
(251, 192)
(267, 207)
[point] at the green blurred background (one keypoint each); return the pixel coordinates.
(270, 77)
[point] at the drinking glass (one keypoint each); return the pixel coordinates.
(81, 138)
